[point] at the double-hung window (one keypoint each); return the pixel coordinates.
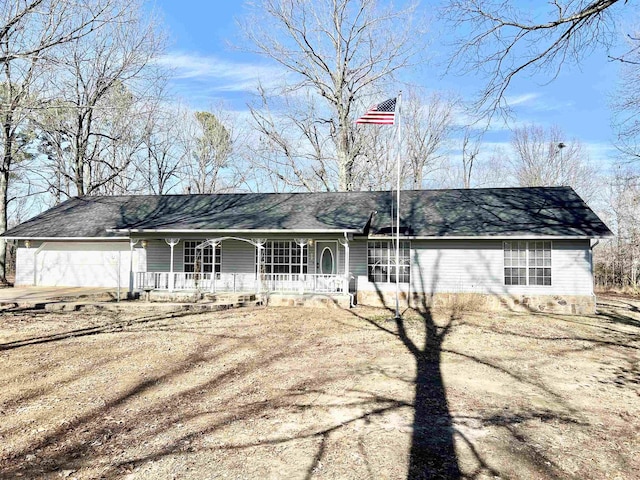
(381, 261)
(527, 262)
(201, 260)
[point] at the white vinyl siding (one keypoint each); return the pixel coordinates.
(25, 266)
(477, 266)
(159, 256)
(238, 257)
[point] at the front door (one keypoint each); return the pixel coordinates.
(327, 258)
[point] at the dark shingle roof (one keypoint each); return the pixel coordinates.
(553, 211)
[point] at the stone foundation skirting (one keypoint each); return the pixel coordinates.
(563, 304)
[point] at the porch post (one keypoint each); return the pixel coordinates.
(214, 245)
(132, 243)
(172, 242)
(345, 244)
(302, 242)
(259, 243)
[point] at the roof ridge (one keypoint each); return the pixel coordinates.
(351, 192)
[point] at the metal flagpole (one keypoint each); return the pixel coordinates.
(398, 153)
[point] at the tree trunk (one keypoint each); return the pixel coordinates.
(4, 183)
(345, 157)
(4, 187)
(79, 176)
(417, 178)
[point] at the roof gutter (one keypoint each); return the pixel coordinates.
(229, 230)
(102, 239)
(494, 237)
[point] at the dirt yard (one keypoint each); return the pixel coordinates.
(261, 393)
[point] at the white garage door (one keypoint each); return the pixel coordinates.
(80, 264)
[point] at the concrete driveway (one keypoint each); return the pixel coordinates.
(30, 295)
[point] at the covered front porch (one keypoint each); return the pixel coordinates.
(243, 264)
(241, 282)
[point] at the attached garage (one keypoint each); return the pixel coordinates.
(75, 264)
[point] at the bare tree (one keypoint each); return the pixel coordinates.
(626, 105)
(502, 40)
(103, 83)
(340, 50)
(469, 155)
(544, 157)
(376, 168)
(617, 261)
(428, 128)
(158, 168)
(30, 32)
(291, 147)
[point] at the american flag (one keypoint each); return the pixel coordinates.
(381, 114)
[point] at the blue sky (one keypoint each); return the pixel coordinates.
(208, 70)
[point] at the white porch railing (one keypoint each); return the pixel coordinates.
(294, 282)
(192, 281)
(152, 281)
(242, 282)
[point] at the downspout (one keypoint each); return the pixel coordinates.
(347, 277)
(591, 247)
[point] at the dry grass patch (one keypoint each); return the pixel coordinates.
(303, 393)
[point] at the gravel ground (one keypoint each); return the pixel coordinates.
(320, 393)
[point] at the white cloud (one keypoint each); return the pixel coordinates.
(221, 75)
(535, 102)
(602, 154)
(522, 99)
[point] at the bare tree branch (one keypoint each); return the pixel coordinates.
(545, 157)
(502, 41)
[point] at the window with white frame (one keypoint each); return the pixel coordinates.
(201, 260)
(283, 256)
(527, 262)
(381, 261)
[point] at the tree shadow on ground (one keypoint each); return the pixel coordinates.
(611, 311)
(432, 454)
(226, 397)
(106, 327)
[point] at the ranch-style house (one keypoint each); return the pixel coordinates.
(509, 247)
